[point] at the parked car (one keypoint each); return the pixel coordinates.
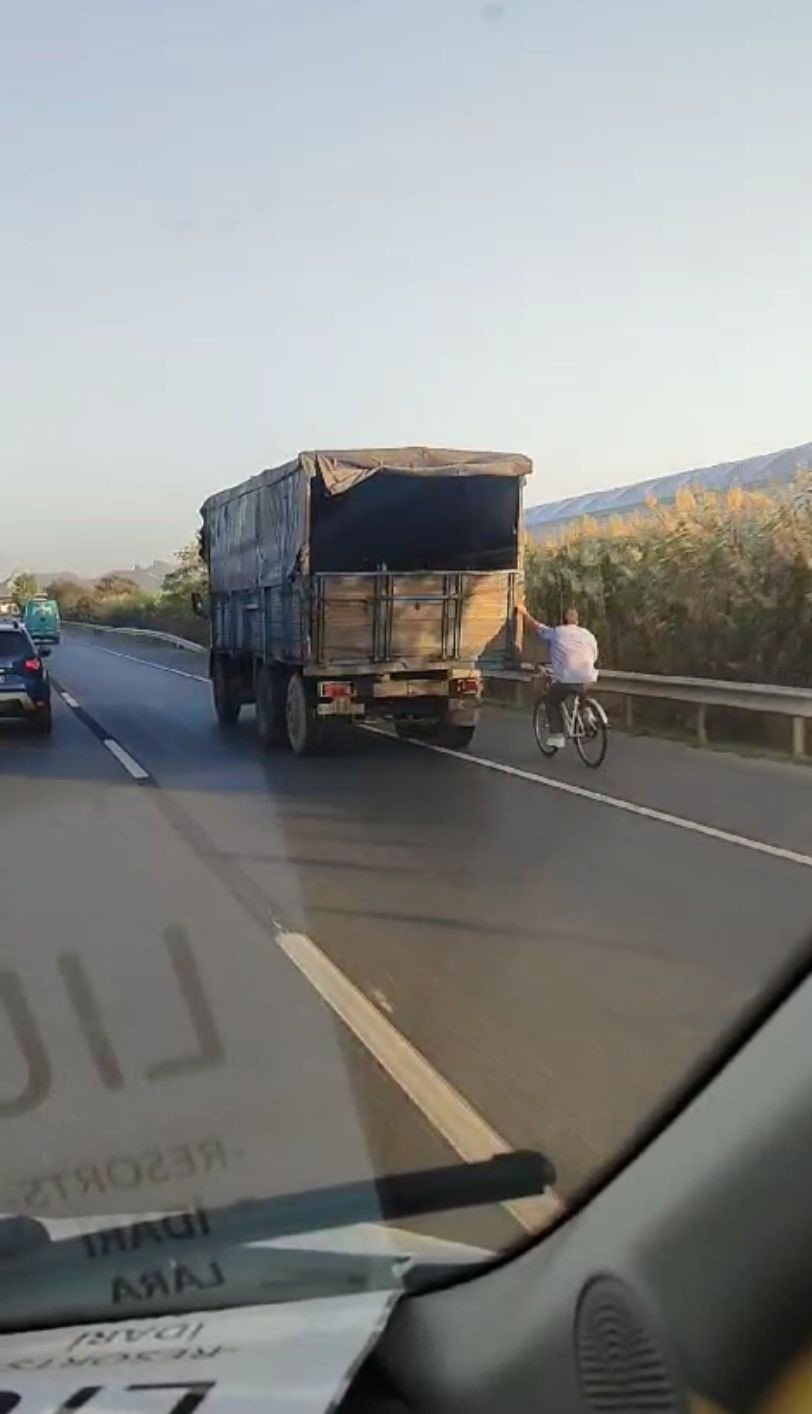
(25, 689)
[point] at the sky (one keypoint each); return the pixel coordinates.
(234, 229)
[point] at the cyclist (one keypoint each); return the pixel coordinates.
(573, 655)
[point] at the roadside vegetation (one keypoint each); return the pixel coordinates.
(116, 600)
(715, 586)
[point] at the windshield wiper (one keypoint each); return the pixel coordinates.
(204, 1259)
(519, 1174)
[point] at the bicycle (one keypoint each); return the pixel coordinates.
(585, 723)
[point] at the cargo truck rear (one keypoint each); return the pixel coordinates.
(347, 586)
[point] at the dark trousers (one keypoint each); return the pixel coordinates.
(557, 693)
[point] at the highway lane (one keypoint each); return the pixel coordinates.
(766, 799)
(559, 961)
(155, 1048)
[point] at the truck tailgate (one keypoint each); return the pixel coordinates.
(419, 619)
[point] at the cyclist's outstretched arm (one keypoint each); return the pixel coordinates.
(524, 613)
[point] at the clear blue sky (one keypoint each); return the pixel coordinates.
(234, 228)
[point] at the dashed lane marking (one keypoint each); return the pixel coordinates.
(131, 766)
(135, 769)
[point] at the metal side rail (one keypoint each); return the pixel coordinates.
(147, 633)
(792, 702)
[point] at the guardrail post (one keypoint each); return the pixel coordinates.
(798, 736)
(629, 712)
(701, 726)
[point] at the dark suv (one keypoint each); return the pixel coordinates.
(24, 687)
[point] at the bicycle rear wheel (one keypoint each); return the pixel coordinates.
(541, 728)
(592, 740)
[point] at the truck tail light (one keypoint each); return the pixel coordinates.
(463, 687)
(334, 690)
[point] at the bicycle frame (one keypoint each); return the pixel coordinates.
(572, 719)
(570, 714)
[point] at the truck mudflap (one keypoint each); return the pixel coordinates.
(462, 713)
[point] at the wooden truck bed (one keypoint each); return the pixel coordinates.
(382, 622)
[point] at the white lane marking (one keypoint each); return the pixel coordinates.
(647, 812)
(381, 1000)
(126, 760)
(436, 1098)
(68, 700)
(145, 663)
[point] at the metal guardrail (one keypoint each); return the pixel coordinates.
(792, 702)
(171, 638)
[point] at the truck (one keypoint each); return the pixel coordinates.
(349, 586)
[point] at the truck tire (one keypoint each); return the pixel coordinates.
(418, 731)
(42, 721)
(302, 724)
(225, 693)
(438, 733)
(454, 738)
(270, 689)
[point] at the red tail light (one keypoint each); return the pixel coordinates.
(32, 665)
(465, 686)
(335, 690)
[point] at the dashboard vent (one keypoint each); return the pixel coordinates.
(621, 1365)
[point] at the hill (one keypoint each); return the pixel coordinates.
(772, 469)
(148, 578)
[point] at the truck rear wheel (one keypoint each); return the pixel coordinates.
(225, 693)
(418, 731)
(42, 721)
(302, 723)
(455, 738)
(270, 690)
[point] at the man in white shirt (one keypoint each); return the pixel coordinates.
(573, 655)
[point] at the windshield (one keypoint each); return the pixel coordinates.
(407, 421)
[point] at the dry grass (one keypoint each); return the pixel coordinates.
(713, 586)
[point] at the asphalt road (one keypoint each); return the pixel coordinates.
(557, 958)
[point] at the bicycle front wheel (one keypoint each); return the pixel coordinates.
(592, 740)
(541, 727)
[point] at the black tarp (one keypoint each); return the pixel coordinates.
(407, 509)
(399, 523)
